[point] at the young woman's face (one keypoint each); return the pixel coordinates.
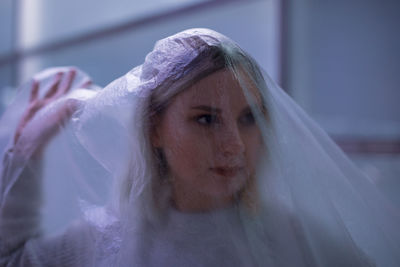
(210, 140)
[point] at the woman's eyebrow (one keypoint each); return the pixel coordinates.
(257, 108)
(208, 108)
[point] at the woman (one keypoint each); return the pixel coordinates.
(213, 165)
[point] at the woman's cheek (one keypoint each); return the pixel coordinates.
(184, 151)
(254, 147)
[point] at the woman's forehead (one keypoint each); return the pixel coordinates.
(220, 87)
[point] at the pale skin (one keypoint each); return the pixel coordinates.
(41, 132)
(211, 142)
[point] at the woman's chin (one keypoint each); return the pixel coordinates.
(226, 186)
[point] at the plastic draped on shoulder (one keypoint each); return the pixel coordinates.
(297, 201)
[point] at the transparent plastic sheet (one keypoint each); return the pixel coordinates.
(302, 202)
(56, 154)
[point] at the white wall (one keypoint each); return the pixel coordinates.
(44, 21)
(253, 24)
(344, 70)
(344, 65)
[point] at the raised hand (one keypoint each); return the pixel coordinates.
(36, 133)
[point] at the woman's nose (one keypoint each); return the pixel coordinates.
(231, 141)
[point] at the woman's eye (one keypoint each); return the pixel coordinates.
(207, 119)
(247, 119)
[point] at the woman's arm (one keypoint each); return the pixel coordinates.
(20, 184)
(20, 204)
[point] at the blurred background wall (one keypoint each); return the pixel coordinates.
(339, 59)
(108, 38)
(341, 63)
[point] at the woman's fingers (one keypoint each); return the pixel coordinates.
(86, 84)
(54, 87)
(16, 136)
(40, 131)
(34, 91)
(67, 82)
(61, 85)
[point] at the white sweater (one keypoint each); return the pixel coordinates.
(186, 239)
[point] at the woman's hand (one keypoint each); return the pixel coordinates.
(36, 133)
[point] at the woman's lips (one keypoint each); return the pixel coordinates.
(227, 171)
